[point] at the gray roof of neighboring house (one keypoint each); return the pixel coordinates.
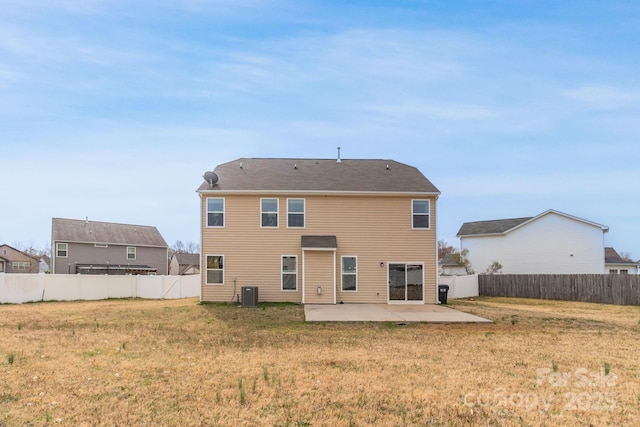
(502, 226)
(16, 250)
(309, 175)
(490, 227)
(611, 256)
(187, 259)
(85, 231)
(451, 260)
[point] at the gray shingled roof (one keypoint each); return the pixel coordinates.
(501, 226)
(611, 256)
(187, 259)
(319, 242)
(490, 227)
(451, 259)
(303, 175)
(83, 231)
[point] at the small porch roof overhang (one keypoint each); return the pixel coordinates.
(319, 243)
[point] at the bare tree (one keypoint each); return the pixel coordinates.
(465, 261)
(178, 246)
(32, 250)
(185, 248)
(494, 268)
(192, 248)
(626, 256)
(445, 249)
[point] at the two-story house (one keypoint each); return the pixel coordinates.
(14, 261)
(552, 242)
(319, 231)
(94, 247)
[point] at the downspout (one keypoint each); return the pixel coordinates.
(53, 258)
(203, 271)
(335, 284)
(303, 276)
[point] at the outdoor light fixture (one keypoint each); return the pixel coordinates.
(381, 264)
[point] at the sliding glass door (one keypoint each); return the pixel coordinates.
(406, 282)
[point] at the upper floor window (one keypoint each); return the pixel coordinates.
(215, 269)
(131, 253)
(349, 273)
(62, 250)
(421, 214)
(295, 212)
(269, 212)
(215, 212)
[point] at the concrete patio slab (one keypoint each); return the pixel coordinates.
(387, 313)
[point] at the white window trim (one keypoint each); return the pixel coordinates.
(206, 269)
(224, 215)
(277, 212)
(421, 214)
(342, 273)
(303, 213)
(282, 273)
(66, 251)
(135, 253)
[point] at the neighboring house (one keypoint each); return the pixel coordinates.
(615, 264)
(45, 262)
(319, 231)
(182, 264)
(450, 265)
(550, 243)
(14, 261)
(91, 247)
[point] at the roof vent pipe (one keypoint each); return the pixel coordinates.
(339, 160)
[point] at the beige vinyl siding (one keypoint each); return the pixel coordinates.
(374, 228)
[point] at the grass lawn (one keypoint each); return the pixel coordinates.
(137, 362)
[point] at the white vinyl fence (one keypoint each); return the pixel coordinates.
(21, 288)
(461, 286)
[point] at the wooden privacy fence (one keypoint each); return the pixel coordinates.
(620, 289)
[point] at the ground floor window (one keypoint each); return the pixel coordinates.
(289, 273)
(215, 269)
(21, 266)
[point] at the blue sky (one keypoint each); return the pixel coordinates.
(113, 110)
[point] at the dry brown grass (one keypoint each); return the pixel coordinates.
(136, 362)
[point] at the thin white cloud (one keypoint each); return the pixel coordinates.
(548, 184)
(424, 110)
(605, 97)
